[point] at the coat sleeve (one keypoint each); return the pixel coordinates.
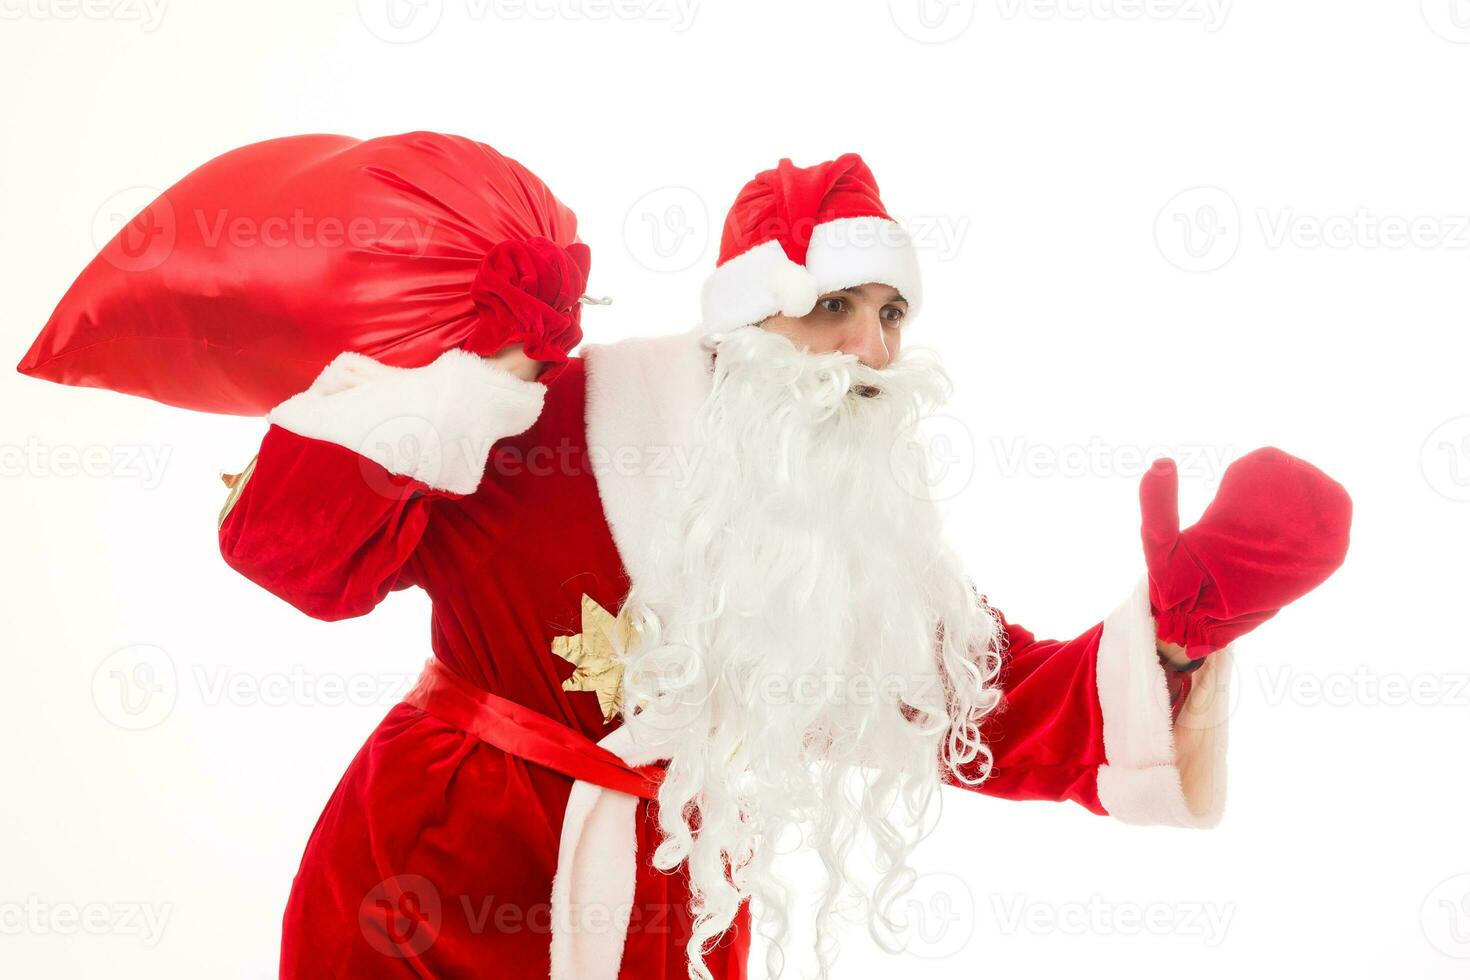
(1089, 720)
(328, 514)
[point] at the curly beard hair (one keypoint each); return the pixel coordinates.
(817, 663)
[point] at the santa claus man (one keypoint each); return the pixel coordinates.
(691, 601)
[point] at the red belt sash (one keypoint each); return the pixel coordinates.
(526, 733)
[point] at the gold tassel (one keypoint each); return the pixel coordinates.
(236, 483)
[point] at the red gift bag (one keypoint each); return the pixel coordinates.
(236, 286)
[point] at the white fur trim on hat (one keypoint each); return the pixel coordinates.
(844, 252)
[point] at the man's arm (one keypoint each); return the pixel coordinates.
(331, 510)
(1090, 720)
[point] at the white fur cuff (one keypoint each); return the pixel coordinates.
(434, 423)
(1158, 771)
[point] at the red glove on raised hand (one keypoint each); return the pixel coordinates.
(1277, 528)
(526, 292)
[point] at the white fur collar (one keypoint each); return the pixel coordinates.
(642, 397)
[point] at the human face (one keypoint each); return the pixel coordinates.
(865, 320)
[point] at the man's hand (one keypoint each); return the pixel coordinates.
(1172, 654)
(512, 359)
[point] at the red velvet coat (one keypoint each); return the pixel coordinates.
(436, 855)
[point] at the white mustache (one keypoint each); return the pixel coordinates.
(830, 379)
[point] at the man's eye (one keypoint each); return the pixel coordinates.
(893, 314)
(832, 304)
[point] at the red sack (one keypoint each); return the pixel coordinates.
(232, 290)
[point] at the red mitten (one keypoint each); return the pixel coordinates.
(1276, 529)
(527, 292)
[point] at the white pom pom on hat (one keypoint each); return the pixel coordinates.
(794, 288)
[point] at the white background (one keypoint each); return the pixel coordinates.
(1094, 303)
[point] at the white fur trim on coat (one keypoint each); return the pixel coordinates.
(434, 423)
(763, 281)
(642, 398)
(596, 872)
(1158, 771)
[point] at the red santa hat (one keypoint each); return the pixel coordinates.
(795, 233)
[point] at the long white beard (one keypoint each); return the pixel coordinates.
(793, 666)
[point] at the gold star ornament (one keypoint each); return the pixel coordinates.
(593, 654)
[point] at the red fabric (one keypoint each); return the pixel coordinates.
(1046, 738)
(434, 856)
(1179, 684)
(524, 733)
(236, 286)
(527, 292)
(1277, 528)
(786, 203)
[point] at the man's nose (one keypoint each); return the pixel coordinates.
(865, 339)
